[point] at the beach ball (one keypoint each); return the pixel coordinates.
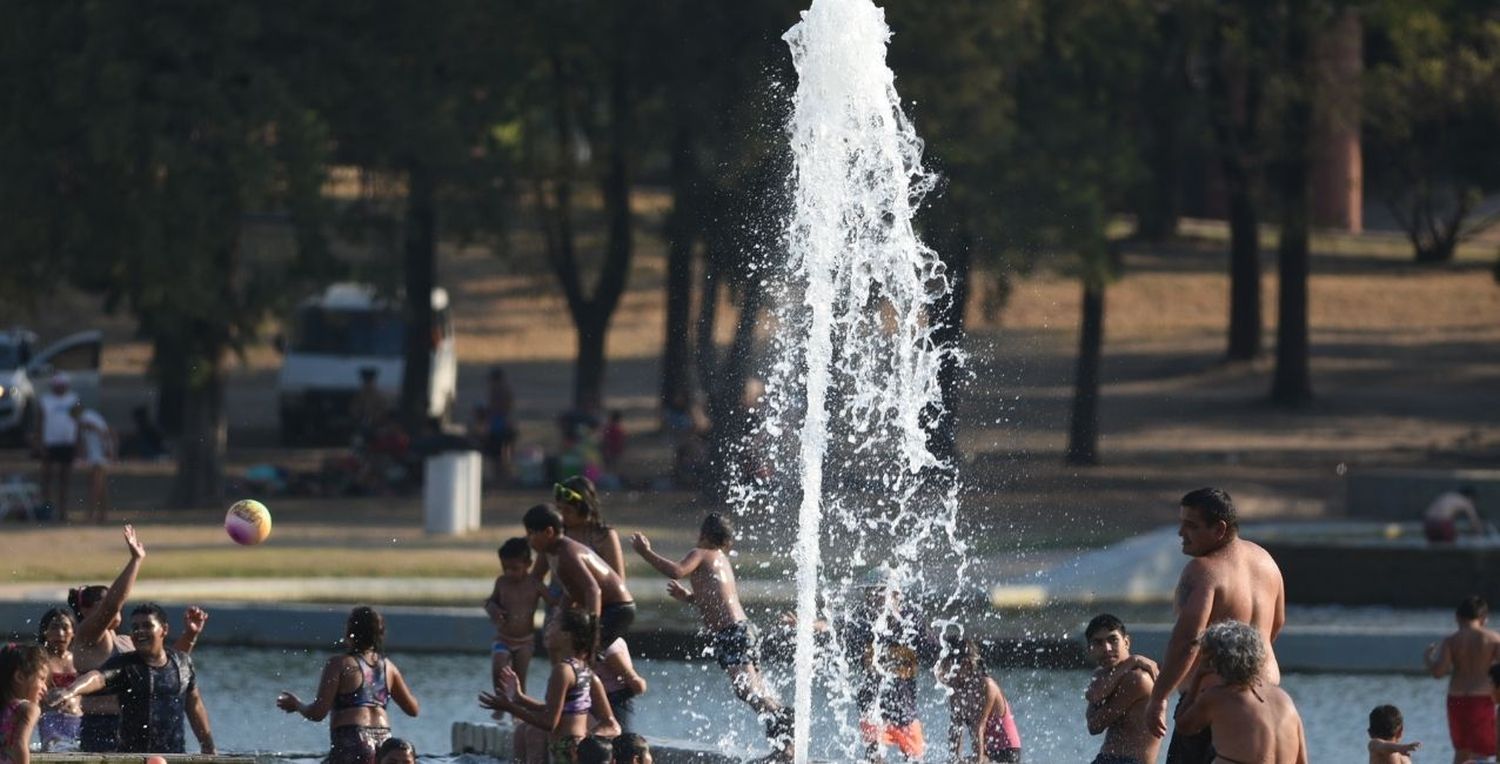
(248, 522)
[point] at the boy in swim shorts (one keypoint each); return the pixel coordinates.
(1465, 657)
(717, 598)
(512, 609)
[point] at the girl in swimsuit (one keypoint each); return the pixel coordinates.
(573, 692)
(578, 501)
(355, 688)
(59, 726)
(95, 641)
(23, 681)
(977, 705)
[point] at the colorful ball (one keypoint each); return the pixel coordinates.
(248, 522)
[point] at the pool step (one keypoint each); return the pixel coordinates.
(494, 740)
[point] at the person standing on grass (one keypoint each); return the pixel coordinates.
(1465, 657)
(1228, 578)
(97, 448)
(56, 437)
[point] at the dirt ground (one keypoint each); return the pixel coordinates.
(1406, 367)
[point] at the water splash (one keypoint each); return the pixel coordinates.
(853, 393)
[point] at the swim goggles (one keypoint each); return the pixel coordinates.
(565, 494)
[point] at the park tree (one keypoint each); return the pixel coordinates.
(1432, 111)
(156, 132)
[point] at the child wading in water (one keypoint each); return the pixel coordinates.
(717, 598)
(23, 681)
(512, 609)
(1118, 693)
(1465, 657)
(977, 705)
(59, 726)
(573, 692)
(1386, 728)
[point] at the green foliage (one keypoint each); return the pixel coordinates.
(1432, 110)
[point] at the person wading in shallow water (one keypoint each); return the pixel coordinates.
(1228, 578)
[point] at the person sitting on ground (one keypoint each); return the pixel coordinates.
(631, 748)
(356, 687)
(1465, 657)
(977, 704)
(396, 751)
(573, 692)
(1118, 693)
(1253, 721)
(23, 683)
(716, 596)
(587, 581)
(158, 688)
(1440, 521)
(59, 726)
(1386, 728)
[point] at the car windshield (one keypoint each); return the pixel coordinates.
(10, 355)
(377, 333)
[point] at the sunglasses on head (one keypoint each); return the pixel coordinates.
(565, 494)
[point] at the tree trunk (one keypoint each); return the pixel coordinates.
(169, 367)
(205, 436)
(420, 270)
(676, 372)
(1292, 382)
(1083, 430)
(730, 452)
(588, 379)
(958, 256)
(1244, 265)
(705, 350)
(1159, 207)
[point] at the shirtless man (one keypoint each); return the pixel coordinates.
(1465, 657)
(587, 581)
(1118, 693)
(717, 598)
(1254, 721)
(1228, 578)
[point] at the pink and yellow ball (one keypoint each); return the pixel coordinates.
(248, 522)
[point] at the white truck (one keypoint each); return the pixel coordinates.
(337, 334)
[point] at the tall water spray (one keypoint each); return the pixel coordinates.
(853, 393)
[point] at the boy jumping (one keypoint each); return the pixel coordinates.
(717, 598)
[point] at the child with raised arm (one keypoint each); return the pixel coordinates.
(512, 609)
(1386, 728)
(1118, 693)
(1465, 657)
(717, 598)
(573, 692)
(977, 704)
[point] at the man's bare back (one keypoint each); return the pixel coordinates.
(1244, 584)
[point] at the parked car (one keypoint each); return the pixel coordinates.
(338, 333)
(24, 370)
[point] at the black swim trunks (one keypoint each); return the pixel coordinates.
(1190, 749)
(614, 621)
(99, 733)
(1114, 758)
(736, 645)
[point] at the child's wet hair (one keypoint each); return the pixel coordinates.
(1386, 722)
(582, 627)
(593, 750)
(365, 630)
(18, 661)
(584, 487)
(1102, 623)
(395, 744)
(964, 653)
(717, 530)
(630, 746)
(541, 517)
(515, 549)
(152, 610)
(81, 598)
(47, 620)
(1472, 608)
